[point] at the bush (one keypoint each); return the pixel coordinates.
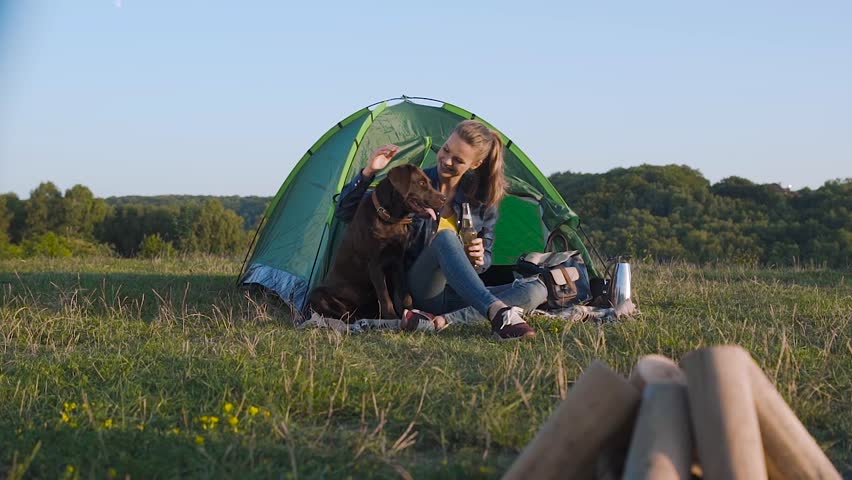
(52, 245)
(10, 250)
(153, 246)
(85, 248)
(45, 245)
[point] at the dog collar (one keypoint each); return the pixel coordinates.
(384, 215)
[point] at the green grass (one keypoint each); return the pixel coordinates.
(146, 349)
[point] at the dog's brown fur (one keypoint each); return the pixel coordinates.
(372, 250)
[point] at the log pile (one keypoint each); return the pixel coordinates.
(714, 416)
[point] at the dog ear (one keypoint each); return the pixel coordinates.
(400, 178)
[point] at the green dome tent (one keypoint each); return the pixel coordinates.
(297, 237)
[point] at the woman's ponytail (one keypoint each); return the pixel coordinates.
(490, 184)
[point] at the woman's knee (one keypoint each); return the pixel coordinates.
(444, 242)
(536, 293)
(445, 237)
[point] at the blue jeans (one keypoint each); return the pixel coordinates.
(443, 282)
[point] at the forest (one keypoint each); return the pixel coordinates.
(662, 213)
(673, 213)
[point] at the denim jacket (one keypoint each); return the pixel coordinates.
(423, 228)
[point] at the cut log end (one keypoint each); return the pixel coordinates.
(653, 369)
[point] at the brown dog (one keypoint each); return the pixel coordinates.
(372, 249)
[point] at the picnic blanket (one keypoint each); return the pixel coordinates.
(574, 313)
(361, 325)
(579, 313)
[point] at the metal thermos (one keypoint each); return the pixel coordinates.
(619, 286)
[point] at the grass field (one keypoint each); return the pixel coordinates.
(114, 368)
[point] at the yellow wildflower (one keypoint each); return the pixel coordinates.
(112, 473)
(228, 408)
(209, 422)
(199, 440)
(176, 431)
(70, 406)
(234, 421)
(108, 423)
(69, 469)
(253, 411)
(66, 418)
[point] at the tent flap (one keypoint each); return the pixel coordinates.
(289, 287)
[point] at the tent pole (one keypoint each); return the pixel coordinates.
(594, 249)
(405, 97)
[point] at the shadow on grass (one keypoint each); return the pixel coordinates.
(143, 296)
(66, 452)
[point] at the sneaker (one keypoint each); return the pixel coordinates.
(414, 319)
(508, 324)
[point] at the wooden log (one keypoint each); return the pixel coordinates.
(610, 462)
(723, 415)
(791, 452)
(567, 445)
(661, 447)
(650, 369)
(654, 368)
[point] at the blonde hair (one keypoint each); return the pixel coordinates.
(490, 184)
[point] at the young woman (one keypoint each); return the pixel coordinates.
(443, 276)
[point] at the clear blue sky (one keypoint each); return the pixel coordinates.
(144, 97)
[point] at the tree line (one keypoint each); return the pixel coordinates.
(76, 223)
(658, 212)
(673, 213)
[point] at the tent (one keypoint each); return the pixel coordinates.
(295, 242)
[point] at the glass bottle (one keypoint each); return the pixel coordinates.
(467, 232)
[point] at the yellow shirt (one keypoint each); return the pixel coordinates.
(448, 223)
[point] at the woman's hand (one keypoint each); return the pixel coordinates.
(380, 159)
(476, 253)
